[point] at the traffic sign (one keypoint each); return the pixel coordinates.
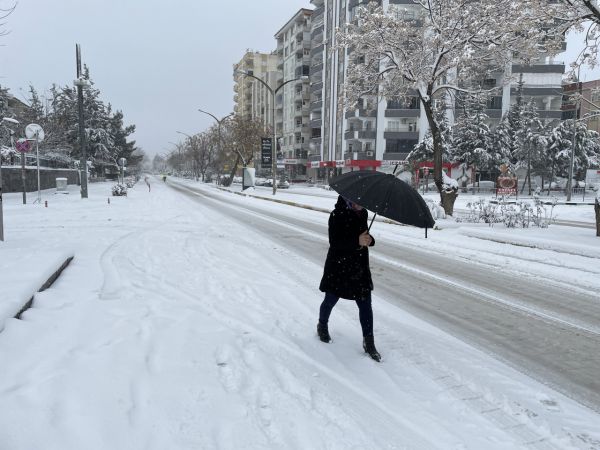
(23, 145)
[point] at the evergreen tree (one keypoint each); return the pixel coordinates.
(472, 136)
(560, 144)
(531, 142)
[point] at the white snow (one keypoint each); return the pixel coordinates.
(176, 327)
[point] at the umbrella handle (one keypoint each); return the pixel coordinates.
(372, 220)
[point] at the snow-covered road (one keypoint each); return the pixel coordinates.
(188, 323)
(543, 328)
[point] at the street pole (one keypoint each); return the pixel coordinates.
(274, 146)
(80, 83)
(23, 178)
(1, 204)
(219, 122)
(273, 94)
(37, 157)
(574, 140)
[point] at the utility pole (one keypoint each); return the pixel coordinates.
(273, 93)
(4, 119)
(574, 140)
(81, 83)
(219, 123)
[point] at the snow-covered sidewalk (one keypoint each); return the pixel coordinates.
(178, 328)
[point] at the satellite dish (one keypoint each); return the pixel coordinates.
(34, 131)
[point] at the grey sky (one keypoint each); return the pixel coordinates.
(158, 61)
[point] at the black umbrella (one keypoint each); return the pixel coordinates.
(386, 195)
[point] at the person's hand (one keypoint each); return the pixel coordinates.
(364, 240)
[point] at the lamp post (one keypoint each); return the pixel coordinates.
(178, 146)
(16, 122)
(219, 122)
(574, 140)
(273, 93)
(191, 138)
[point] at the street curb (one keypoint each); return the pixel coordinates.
(49, 282)
(300, 205)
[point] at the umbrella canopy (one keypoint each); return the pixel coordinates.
(385, 195)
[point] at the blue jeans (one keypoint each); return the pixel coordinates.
(365, 312)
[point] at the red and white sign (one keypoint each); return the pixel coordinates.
(340, 163)
(23, 145)
(392, 162)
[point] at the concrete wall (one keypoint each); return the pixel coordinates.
(11, 178)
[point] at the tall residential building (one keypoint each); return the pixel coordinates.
(251, 98)
(292, 102)
(378, 133)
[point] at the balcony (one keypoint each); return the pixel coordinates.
(546, 67)
(351, 135)
(367, 134)
(367, 113)
(400, 133)
(316, 123)
(302, 71)
(402, 112)
(302, 128)
(301, 96)
(301, 112)
(316, 49)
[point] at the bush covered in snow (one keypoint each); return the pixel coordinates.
(119, 190)
(520, 214)
(437, 212)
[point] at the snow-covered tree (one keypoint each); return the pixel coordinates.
(242, 141)
(423, 151)
(531, 141)
(560, 145)
(472, 135)
(444, 47)
(578, 15)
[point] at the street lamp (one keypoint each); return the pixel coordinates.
(273, 93)
(14, 122)
(178, 146)
(219, 122)
(191, 138)
(574, 141)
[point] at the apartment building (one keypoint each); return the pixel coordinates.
(292, 100)
(252, 99)
(378, 134)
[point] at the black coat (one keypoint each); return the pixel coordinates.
(347, 274)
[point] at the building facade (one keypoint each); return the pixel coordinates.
(252, 99)
(588, 106)
(292, 100)
(380, 133)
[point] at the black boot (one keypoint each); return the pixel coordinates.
(323, 332)
(369, 346)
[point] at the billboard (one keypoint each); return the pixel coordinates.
(266, 151)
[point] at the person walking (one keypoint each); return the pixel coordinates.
(147, 180)
(346, 273)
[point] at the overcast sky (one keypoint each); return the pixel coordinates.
(157, 60)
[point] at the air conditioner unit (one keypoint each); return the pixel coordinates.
(369, 153)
